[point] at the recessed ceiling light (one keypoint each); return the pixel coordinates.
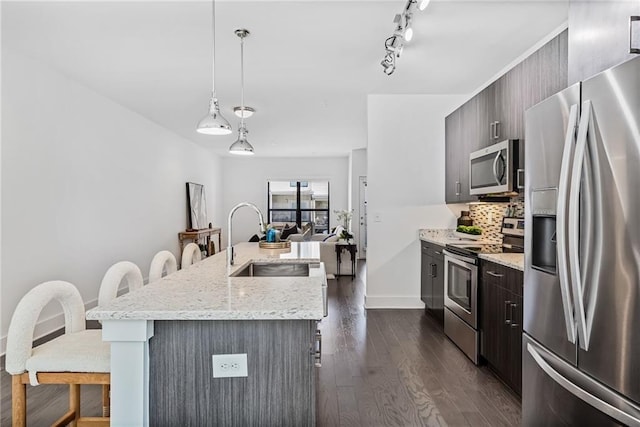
(248, 111)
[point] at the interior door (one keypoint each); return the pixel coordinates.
(362, 230)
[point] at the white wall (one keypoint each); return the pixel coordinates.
(245, 180)
(86, 183)
(357, 169)
(406, 170)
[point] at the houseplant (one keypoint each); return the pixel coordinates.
(344, 216)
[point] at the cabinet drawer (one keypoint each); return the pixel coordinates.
(500, 275)
(433, 250)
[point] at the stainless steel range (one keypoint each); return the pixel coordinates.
(461, 285)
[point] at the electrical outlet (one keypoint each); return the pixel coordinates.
(229, 365)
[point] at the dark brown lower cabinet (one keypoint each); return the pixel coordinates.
(501, 322)
(432, 280)
(279, 389)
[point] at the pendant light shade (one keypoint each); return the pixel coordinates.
(242, 146)
(214, 123)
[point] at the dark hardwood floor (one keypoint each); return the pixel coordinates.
(379, 368)
(396, 368)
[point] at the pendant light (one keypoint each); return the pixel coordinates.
(242, 146)
(213, 123)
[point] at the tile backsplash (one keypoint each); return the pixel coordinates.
(488, 216)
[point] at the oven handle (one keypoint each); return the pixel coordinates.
(459, 257)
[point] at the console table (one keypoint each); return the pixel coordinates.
(205, 233)
(352, 248)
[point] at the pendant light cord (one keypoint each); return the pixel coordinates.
(242, 80)
(213, 48)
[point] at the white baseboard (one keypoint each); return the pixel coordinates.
(371, 302)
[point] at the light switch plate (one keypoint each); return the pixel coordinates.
(229, 365)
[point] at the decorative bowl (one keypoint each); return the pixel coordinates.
(285, 244)
(467, 236)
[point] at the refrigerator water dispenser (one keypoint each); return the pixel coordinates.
(543, 230)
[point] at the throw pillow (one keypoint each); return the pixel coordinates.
(331, 238)
(286, 232)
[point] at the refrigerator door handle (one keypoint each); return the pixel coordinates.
(561, 224)
(585, 396)
(574, 225)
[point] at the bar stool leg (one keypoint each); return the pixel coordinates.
(18, 402)
(74, 402)
(106, 400)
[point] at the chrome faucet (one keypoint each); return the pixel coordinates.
(233, 210)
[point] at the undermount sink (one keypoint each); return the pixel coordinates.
(273, 270)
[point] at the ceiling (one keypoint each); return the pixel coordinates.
(309, 65)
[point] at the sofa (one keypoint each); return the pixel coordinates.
(328, 251)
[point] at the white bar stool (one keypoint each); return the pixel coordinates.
(163, 261)
(191, 255)
(77, 357)
(114, 277)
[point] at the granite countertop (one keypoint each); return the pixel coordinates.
(510, 260)
(206, 291)
(445, 236)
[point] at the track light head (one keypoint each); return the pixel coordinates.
(408, 30)
(388, 64)
(394, 45)
(423, 4)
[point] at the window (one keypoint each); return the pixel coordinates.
(299, 202)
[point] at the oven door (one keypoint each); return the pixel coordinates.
(461, 287)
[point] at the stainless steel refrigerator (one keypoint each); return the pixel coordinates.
(581, 341)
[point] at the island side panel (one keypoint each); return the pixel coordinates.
(280, 388)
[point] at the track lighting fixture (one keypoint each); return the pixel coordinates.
(403, 33)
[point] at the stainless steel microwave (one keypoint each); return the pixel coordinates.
(495, 169)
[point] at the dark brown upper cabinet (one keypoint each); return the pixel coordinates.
(617, 36)
(497, 112)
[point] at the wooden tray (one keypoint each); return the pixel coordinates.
(274, 245)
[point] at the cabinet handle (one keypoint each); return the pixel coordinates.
(318, 353)
(491, 273)
(507, 319)
(632, 49)
(497, 131)
(434, 270)
(492, 130)
(513, 324)
(458, 188)
(520, 179)
(438, 253)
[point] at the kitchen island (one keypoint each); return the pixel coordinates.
(163, 337)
